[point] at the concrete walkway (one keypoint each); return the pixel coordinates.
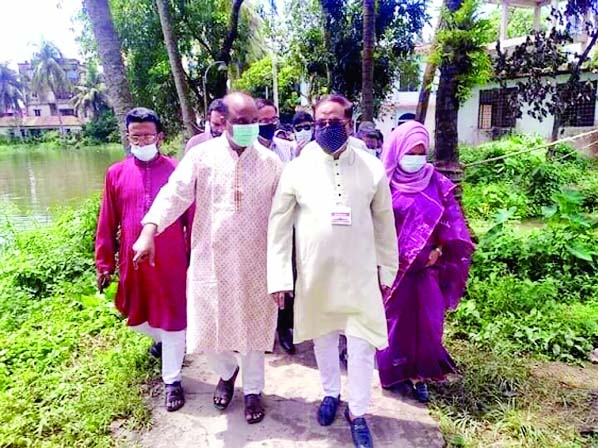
(291, 398)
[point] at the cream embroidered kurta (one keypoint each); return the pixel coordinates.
(337, 265)
(228, 307)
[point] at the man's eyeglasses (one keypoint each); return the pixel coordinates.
(332, 122)
(303, 127)
(145, 138)
(273, 120)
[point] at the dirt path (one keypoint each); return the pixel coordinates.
(291, 398)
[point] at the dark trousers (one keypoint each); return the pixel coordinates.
(285, 317)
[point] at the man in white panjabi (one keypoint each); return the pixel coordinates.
(338, 200)
(232, 182)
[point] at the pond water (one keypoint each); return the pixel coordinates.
(36, 181)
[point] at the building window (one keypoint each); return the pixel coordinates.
(63, 95)
(496, 109)
(583, 112)
(67, 112)
(37, 112)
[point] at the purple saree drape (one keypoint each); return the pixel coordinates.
(420, 296)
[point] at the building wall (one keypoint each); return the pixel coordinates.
(470, 134)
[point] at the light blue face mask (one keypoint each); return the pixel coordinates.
(245, 134)
(412, 163)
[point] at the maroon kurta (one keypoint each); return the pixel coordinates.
(155, 295)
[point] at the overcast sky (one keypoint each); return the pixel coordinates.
(26, 22)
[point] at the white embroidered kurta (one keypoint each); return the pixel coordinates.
(228, 307)
(337, 265)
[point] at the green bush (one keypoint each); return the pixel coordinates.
(535, 291)
(103, 129)
(481, 201)
(68, 365)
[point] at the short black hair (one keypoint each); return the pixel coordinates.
(260, 103)
(141, 115)
(302, 117)
(218, 106)
(338, 99)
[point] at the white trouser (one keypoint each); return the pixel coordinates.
(173, 350)
(252, 368)
(360, 369)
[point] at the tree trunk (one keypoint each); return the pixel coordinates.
(556, 125)
(446, 147)
(227, 46)
(109, 48)
(367, 67)
(428, 79)
(447, 113)
(424, 92)
(180, 79)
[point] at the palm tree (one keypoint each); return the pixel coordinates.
(176, 66)
(11, 90)
(49, 75)
(109, 48)
(367, 67)
(91, 95)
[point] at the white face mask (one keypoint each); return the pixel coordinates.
(144, 153)
(412, 163)
(303, 136)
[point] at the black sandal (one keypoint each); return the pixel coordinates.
(225, 389)
(254, 411)
(174, 396)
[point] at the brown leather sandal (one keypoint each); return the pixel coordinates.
(254, 411)
(223, 394)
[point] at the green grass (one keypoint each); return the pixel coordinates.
(69, 367)
(501, 400)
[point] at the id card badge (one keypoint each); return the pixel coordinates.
(341, 215)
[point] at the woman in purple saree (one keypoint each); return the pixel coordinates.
(435, 250)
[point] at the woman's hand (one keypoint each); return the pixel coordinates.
(435, 254)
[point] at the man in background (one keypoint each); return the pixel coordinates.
(368, 133)
(268, 121)
(216, 123)
(303, 125)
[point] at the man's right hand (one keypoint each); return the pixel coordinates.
(103, 280)
(144, 248)
(278, 298)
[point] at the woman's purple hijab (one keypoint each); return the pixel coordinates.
(402, 140)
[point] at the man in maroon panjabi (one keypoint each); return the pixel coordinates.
(152, 298)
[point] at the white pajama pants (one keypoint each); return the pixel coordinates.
(360, 369)
(173, 350)
(252, 368)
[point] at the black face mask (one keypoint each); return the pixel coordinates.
(267, 131)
